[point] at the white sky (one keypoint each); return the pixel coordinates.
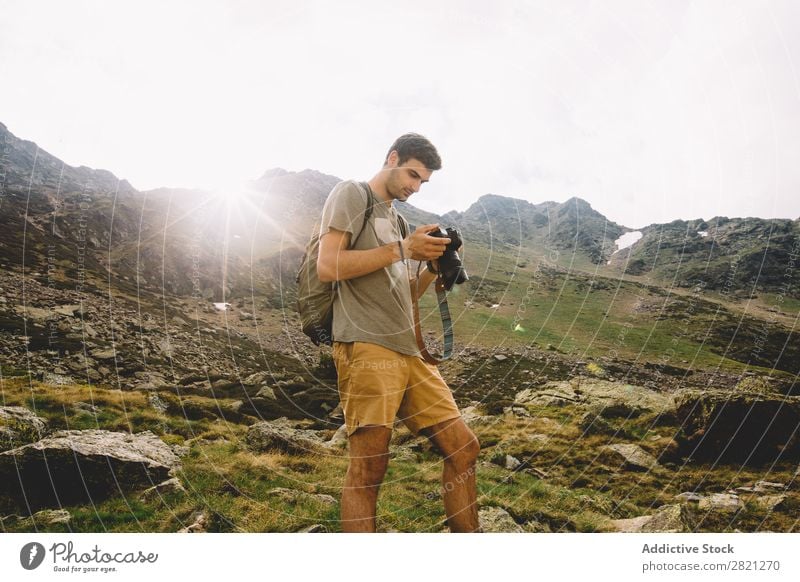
(651, 111)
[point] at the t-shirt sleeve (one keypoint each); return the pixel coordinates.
(344, 209)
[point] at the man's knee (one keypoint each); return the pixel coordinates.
(466, 449)
(369, 471)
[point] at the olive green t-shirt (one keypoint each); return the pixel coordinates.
(376, 307)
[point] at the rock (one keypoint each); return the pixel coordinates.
(45, 517)
(279, 435)
(293, 496)
(721, 502)
(472, 417)
(339, 438)
(169, 486)
(36, 314)
(267, 393)
(500, 357)
(104, 354)
(68, 310)
(497, 520)
(76, 466)
(725, 427)
(199, 524)
(635, 458)
(19, 426)
(315, 528)
(689, 496)
(770, 502)
(157, 402)
(256, 379)
(512, 463)
(667, 519)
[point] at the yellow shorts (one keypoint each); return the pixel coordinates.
(377, 384)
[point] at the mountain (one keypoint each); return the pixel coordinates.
(170, 250)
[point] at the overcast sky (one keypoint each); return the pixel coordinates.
(651, 111)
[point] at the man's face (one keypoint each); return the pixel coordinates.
(405, 179)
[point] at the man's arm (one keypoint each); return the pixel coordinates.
(425, 279)
(337, 263)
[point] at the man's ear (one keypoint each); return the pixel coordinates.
(393, 158)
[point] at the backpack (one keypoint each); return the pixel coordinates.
(315, 298)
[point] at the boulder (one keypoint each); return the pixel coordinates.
(19, 426)
(76, 466)
(748, 428)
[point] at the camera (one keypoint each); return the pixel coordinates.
(450, 266)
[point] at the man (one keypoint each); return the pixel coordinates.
(377, 359)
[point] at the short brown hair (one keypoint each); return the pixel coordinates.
(419, 147)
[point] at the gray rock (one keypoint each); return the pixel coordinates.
(280, 435)
(199, 524)
(500, 357)
(721, 502)
(339, 438)
(512, 463)
(169, 486)
(667, 519)
(314, 528)
(497, 520)
(635, 458)
(256, 379)
(689, 496)
(45, 517)
(74, 466)
(19, 426)
(770, 502)
(267, 393)
(294, 496)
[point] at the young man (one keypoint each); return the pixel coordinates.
(381, 374)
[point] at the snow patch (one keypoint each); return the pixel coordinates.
(627, 240)
(702, 233)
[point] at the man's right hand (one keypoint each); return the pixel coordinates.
(421, 246)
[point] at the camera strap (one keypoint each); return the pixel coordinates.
(447, 323)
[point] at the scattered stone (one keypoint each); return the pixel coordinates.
(667, 519)
(293, 496)
(689, 496)
(256, 379)
(500, 357)
(19, 426)
(770, 502)
(339, 438)
(512, 463)
(497, 520)
(45, 517)
(279, 434)
(315, 528)
(169, 486)
(104, 354)
(267, 393)
(157, 402)
(199, 524)
(722, 502)
(635, 458)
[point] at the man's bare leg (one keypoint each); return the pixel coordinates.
(460, 449)
(369, 457)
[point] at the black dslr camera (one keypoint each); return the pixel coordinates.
(450, 265)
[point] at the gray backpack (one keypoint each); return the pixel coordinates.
(315, 298)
